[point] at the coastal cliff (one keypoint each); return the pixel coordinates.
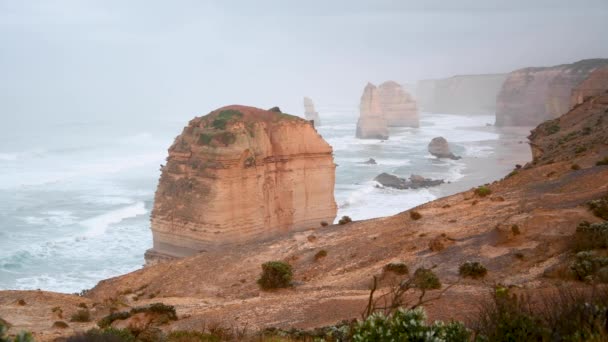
(461, 94)
(532, 95)
(241, 174)
(397, 105)
(371, 124)
(595, 84)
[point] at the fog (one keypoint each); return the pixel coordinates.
(93, 60)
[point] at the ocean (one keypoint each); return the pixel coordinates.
(75, 196)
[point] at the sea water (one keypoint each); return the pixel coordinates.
(75, 197)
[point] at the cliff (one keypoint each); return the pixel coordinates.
(532, 95)
(241, 174)
(462, 94)
(397, 105)
(371, 124)
(595, 84)
(310, 113)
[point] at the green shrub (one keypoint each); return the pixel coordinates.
(224, 116)
(114, 316)
(473, 269)
(191, 336)
(157, 308)
(553, 128)
(396, 267)
(575, 167)
(205, 139)
(602, 162)
(407, 325)
(345, 220)
(226, 138)
(275, 274)
(414, 215)
(483, 191)
(81, 316)
(426, 279)
(320, 254)
(590, 236)
(20, 337)
(599, 207)
(515, 229)
(105, 335)
(580, 149)
(587, 264)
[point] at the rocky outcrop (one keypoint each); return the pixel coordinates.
(415, 181)
(310, 113)
(595, 84)
(532, 95)
(372, 124)
(370, 161)
(398, 106)
(462, 94)
(440, 148)
(241, 174)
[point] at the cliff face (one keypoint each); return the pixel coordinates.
(595, 84)
(241, 174)
(372, 124)
(463, 94)
(532, 95)
(398, 106)
(310, 113)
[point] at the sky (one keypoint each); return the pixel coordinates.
(116, 59)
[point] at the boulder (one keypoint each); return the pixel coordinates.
(440, 148)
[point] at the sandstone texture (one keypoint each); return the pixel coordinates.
(595, 84)
(241, 174)
(310, 113)
(461, 94)
(532, 95)
(440, 148)
(546, 199)
(398, 106)
(371, 124)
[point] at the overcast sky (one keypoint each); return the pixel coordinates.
(111, 59)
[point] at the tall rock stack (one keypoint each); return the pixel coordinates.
(372, 124)
(532, 95)
(594, 85)
(241, 174)
(398, 106)
(310, 113)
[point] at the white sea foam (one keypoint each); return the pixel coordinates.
(98, 225)
(57, 218)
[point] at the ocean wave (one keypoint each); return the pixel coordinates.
(57, 218)
(98, 225)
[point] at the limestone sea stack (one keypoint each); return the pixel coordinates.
(310, 113)
(594, 85)
(372, 123)
(398, 106)
(241, 174)
(415, 181)
(440, 148)
(532, 95)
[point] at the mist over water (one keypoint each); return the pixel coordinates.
(74, 208)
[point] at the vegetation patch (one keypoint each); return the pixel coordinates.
(591, 236)
(599, 207)
(397, 268)
(345, 220)
(324, 224)
(414, 215)
(320, 254)
(226, 138)
(164, 314)
(552, 128)
(104, 335)
(426, 279)
(275, 274)
(83, 315)
(472, 269)
(482, 191)
(191, 336)
(575, 167)
(602, 162)
(60, 325)
(205, 139)
(588, 266)
(515, 229)
(224, 116)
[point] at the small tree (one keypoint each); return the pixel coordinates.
(275, 274)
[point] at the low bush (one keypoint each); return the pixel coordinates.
(473, 269)
(575, 167)
(157, 308)
(345, 220)
(553, 128)
(414, 215)
(105, 335)
(599, 207)
(60, 325)
(83, 315)
(114, 316)
(320, 254)
(397, 268)
(275, 274)
(602, 162)
(407, 325)
(20, 337)
(324, 224)
(587, 264)
(191, 336)
(591, 236)
(483, 191)
(426, 279)
(223, 117)
(580, 149)
(515, 229)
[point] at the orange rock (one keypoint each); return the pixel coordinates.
(372, 124)
(398, 106)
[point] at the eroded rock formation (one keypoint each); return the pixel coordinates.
(461, 94)
(241, 174)
(415, 181)
(398, 106)
(532, 95)
(372, 124)
(310, 113)
(440, 148)
(595, 84)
